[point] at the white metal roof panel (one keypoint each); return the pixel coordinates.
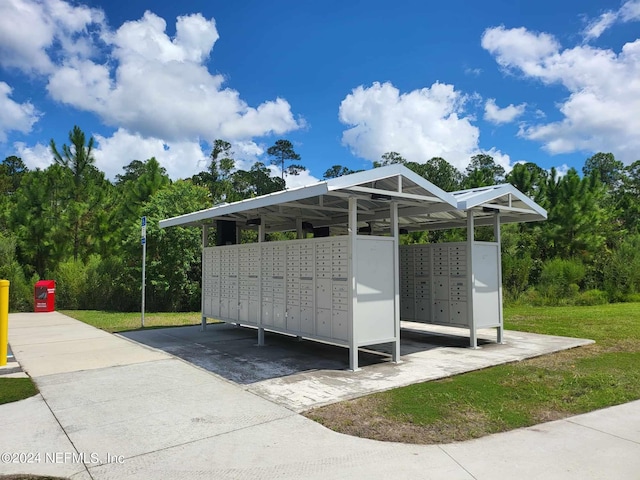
(421, 204)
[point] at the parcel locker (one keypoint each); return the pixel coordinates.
(323, 322)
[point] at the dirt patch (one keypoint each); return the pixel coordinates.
(364, 417)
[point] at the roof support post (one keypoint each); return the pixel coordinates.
(205, 242)
(261, 230)
(471, 281)
(299, 232)
(395, 355)
(498, 240)
(353, 307)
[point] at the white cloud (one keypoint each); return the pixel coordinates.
(28, 28)
(161, 87)
(181, 159)
(598, 26)
(145, 39)
(600, 113)
(293, 181)
(248, 150)
(519, 45)
(561, 170)
(37, 156)
(25, 33)
(15, 116)
(500, 158)
(145, 81)
(419, 125)
(628, 12)
(494, 114)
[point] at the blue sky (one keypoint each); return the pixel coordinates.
(345, 81)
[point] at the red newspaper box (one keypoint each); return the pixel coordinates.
(44, 298)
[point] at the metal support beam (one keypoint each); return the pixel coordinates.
(473, 333)
(498, 240)
(299, 232)
(299, 235)
(399, 195)
(261, 230)
(205, 242)
(353, 253)
(395, 355)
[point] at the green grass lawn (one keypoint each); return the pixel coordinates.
(513, 395)
(120, 322)
(14, 389)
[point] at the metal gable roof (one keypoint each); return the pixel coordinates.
(513, 205)
(326, 203)
(421, 204)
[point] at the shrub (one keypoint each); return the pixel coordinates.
(20, 293)
(560, 279)
(622, 271)
(592, 297)
(515, 273)
(97, 284)
(71, 279)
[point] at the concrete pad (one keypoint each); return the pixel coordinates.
(304, 375)
(84, 475)
(233, 353)
(36, 320)
(31, 329)
(172, 420)
(29, 428)
(621, 421)
(289, 448)
(12, 368)
(51, 343)
(145, 407)
(555, 450)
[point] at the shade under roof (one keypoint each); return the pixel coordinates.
(421, 204)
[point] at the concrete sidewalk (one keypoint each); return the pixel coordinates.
(133, 412)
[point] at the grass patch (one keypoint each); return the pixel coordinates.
(124, 321)
(510, 396)
(14, 389)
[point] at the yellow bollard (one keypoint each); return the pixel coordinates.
(4, 320)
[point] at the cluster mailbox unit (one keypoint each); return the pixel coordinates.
(442, 284)
(352, 283)
(303, 287)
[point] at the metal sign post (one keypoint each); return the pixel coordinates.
(143, 240)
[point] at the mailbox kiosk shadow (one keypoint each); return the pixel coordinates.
(232, 352)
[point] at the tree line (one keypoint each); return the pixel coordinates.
(70, 223)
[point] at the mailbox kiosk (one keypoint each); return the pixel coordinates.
(44, 298)
(351, 284)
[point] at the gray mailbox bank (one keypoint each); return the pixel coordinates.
(352, 283)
